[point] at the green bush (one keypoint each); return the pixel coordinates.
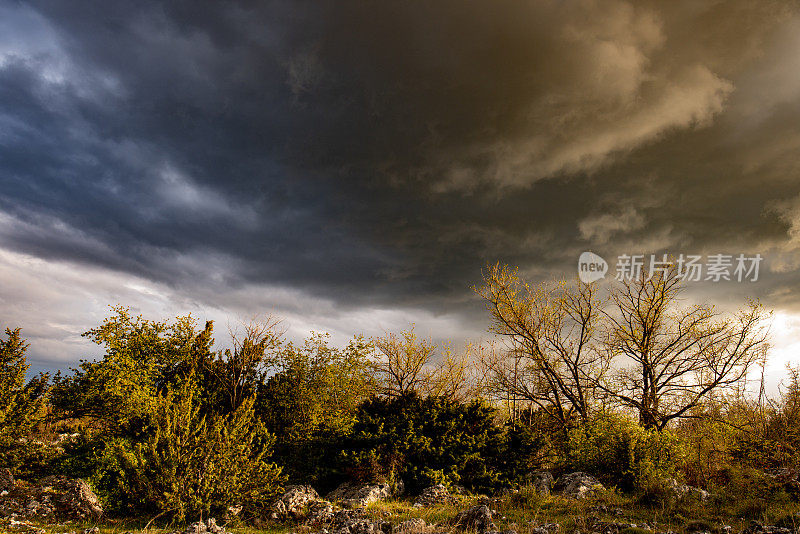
(622, 453)
(526, 447)
(424, 442)
(22, 404)
(157, 437)
(310, 404)
(185, 464)
(196, 464)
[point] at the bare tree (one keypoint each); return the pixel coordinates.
(551, 359)
(402, 369)
(667, 359)
(254, 350)
(454, 374)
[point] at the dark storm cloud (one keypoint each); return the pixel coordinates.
(145, 142)
(382, 152)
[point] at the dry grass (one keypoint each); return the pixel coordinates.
(525, 510)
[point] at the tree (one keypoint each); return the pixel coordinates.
(402, 371)
(551, 359)
(454, 375)
(668, 359)
(168, 431)
(310, 402)
(22, 403)
(408, 364)
(142, 358)
(240, 369)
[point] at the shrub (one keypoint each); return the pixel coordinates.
(424, 442)
(186, 463)
(526, 448)
(22, 403)
(158, 438)
(197, 464)
(620, 452)
(310, 404)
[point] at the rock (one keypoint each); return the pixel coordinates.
(541, 481)
(478, 518)
(320, 512)
(6, 480)
(577, 485)
(355, 495)
(412, 525)
(196, 528)
(209, 526)
(434, 495)
(73, 498)
(680, 491)
(294, 502)
(55, 497)
(233, 511)
(364, 526)
(757, 527)
(354, 522)
(546, 528)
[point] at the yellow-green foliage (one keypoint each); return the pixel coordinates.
(310, 402)
(140, 358)
(158, 438)
(195, 464)
(21, 403)
(623, 453)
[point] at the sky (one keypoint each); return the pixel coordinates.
(352, 166)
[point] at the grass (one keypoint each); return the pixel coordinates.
(525, 510)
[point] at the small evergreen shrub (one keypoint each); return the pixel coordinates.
(424, 442)
(622, 453)
(22, 406)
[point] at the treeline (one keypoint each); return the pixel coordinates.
(631, 386)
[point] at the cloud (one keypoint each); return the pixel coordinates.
(601, 228)
(510, 96)
(343, 159)
(55, 302)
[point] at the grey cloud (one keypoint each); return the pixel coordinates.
(378, 155)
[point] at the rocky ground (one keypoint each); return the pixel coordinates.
(575, 503)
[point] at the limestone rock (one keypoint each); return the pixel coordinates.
(757, 527)
(294, 502)
(577, 485)
(209, 526)
(478, 519)
(356, 495)
(541, 481)
(412, 525)
(434, 495)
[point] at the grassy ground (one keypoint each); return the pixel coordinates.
(523, 512)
